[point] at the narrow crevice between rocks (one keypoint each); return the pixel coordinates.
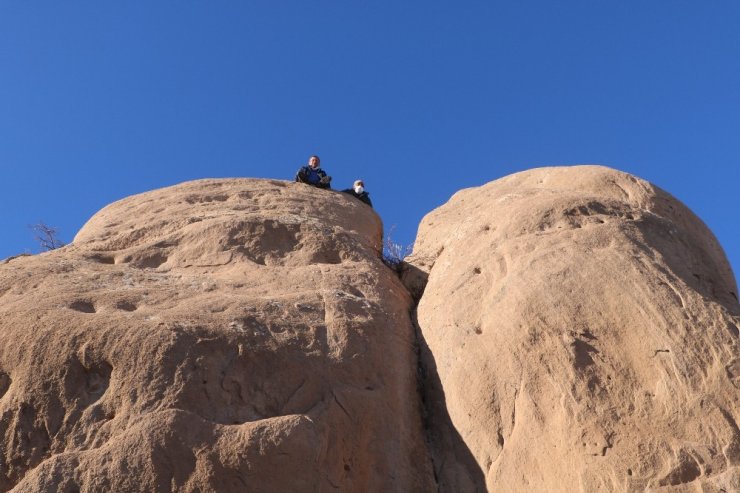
(453, 465)
(455, 468)
(423, 396)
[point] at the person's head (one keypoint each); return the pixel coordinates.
(359, 186)
(314, 162)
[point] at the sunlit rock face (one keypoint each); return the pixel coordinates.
(577, 326)
(219, 335)
(581, 333)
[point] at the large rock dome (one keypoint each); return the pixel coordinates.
(582, 335)
(219, 335)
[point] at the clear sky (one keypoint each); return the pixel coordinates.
(101, 99)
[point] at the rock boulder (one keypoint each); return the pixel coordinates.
(581, 334)
(219, 335)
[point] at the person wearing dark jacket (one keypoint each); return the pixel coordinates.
(312, 174)
(358, 191)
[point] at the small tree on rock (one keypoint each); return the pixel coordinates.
(47, 236)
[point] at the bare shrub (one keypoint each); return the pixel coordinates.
(47, 236)
(393, 252)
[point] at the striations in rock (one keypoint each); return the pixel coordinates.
(219, 335)
(580, 333)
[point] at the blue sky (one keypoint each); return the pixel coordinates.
(100, 99)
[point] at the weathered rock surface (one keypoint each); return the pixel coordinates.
(578, 332)
(219, 335)
(582, 333)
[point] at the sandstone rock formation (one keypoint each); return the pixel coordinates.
(219, 335)
(578, 331)
(582, 333)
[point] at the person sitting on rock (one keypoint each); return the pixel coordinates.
(312, 174)
(358, 191)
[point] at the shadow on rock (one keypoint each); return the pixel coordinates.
(455, 468)
(414, 279)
